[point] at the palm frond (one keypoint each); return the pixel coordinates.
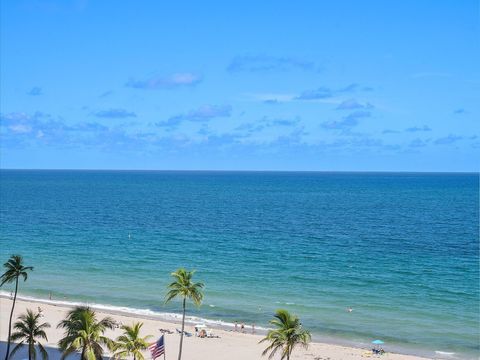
(84, 331)
(43, 352)
(288, 334)
(67, 352)
(183, 287)
(14, 268)
(15, 349)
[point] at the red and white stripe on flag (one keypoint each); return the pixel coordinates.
(158, 348)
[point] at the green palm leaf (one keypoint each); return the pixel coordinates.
(131, 343)
(14, 269)
(184, 288)
(28, 328)
(85, 334)
(286, 336)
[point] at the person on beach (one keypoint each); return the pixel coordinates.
(242, 327)
(253, 328)
(236, 326)
(50, 295)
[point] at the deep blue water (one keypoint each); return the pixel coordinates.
(401, 249)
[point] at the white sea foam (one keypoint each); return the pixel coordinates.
(445, 353)
(168, 316)
(284, 303)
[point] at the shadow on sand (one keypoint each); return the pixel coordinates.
(22, 354)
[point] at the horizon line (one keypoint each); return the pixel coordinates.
(243, 170)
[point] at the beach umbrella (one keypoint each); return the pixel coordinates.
(377, 342)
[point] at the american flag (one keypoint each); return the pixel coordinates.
(158, 348)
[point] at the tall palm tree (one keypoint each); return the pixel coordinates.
(130, 343)
(28, 329)
(184, 288)
(83, 332)
(14, 269)
(287, 335)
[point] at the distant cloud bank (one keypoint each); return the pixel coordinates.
(352, 104)
(326, 92)
(166, 82)
(347, 122)
(202, 114)
(417, 129)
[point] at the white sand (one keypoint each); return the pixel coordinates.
(230, 345)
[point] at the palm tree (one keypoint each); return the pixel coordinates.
(13, 270)
(130, 343)
(184, 288)
(83, 332)
(27, 329)
(288, 334)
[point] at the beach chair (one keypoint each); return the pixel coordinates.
(187, 334)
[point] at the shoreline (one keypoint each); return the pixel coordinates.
(153, 321)
(137, 313)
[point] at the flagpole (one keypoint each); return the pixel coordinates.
(164, 347)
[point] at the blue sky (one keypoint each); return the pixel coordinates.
(271, 85)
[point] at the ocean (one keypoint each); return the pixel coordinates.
(400, 249)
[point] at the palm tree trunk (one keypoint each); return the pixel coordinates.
(10, 321)
(181, 335)
(83, 352)
(29, 351)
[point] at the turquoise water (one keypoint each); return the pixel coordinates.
(401, 249)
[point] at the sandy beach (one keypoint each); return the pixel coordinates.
(230, 345)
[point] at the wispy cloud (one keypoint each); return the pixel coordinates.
(269, 98)
(202, 114)
(447, 140)
(114, 114)
(166, 82)
(265, 123)
(105, 94)
(265, 63)
(35, 91)
(352, 104)
(22, 130)
(417, 143)
(271, 101)
(390, 131)
(354, 87)
(347, 122)
(18, 123)
(326, 92)
(285, 122)
(319, 93)
(417, 129)
(460, 111)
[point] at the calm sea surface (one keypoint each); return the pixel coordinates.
(401, 249)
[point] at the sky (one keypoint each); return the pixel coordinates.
(246, 85)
